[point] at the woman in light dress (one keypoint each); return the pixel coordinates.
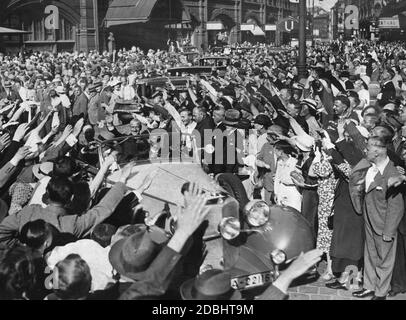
(286, 192)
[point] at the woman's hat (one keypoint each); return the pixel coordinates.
(305, 143)
(42, 170)
(115, 83)
(60, 90)
(309, 103)
(211, 285)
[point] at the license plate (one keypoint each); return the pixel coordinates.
(251, 281)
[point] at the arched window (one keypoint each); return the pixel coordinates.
(66, 31)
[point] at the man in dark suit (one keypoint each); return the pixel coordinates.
(388, 90)
(230, 142)
(81, 102)
(203, 120)
(383, 209)
(345, 78)
(9, 93)
(398, 283)
(375, 74)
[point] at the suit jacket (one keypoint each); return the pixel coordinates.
(383, 208)
(79, 226)
(80, 105)
(232, 146)
(267, 155)
(6, 172)
(375, 75)
(12, 95)
(388, 93)
(94, 110)
(402, 224)
(206, 124)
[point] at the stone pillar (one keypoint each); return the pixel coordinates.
(201, 32)
(235, 34)
(87, 28)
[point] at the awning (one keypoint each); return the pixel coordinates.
(129, 11)
(215, 25)
(257, 31)
(13, 31)
(270, 27)
(121, 12)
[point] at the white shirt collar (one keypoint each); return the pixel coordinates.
(381, 167)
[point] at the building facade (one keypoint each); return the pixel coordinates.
(378, 19)
(321, 28)
(84, 25)
(54, 25)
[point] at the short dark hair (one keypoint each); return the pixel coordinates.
(60, 190)
(355, 96)
(81, 198)
(189, 112)
(377, 111)
(74, 279)
(378, 141)
(103, 233)
(35, 233)
(344, 100)
(387, 133)
(286, 148)
(64, 167)
(21, 269)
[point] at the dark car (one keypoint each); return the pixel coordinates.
(147, 87)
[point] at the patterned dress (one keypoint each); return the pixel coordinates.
(326, 189)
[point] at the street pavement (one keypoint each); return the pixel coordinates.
(316, 290)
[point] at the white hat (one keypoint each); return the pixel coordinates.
(304, 142)
(310, 103)
(60, 89)
(390, 107)
(366, 80)
(115, 83)
(43, 169)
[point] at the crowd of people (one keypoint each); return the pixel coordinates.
(329, 145)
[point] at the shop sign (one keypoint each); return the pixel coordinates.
(52, 18)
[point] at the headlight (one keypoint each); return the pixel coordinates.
(278, 256)
(257, 213)
(230, 228)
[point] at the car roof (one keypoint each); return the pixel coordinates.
(161, 79)
(215, 58)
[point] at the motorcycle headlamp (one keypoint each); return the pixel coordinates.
(257, 213)
(278, 256)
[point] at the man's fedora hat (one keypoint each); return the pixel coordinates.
(211, 285)
(131, 256)
(232, 117)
